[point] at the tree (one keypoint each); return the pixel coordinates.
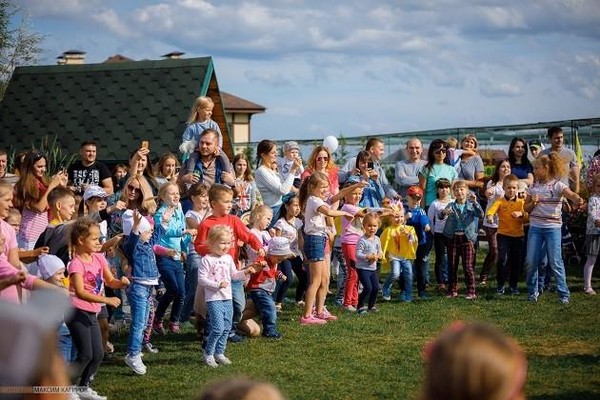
(18, 44)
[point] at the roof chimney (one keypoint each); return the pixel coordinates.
(174, 55)
(71, 57)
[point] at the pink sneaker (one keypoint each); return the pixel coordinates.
(311, 320)
(326, 315)
(471, 296)
(174, 327)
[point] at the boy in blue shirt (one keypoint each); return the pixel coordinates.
(417, 218)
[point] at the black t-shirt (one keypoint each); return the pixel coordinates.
(90, 175)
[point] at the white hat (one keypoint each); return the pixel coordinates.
(94, 191)
(291, 145)
(26, 325)
(279, 246)
(128, 224)
(48, 265)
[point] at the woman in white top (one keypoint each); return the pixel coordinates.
(270, 186)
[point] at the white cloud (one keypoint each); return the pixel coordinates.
(490, 88)
(110, 19)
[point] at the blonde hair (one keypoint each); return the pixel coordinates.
(163, 189)
(200, 102)
(452, 142)
(218, 233)
(459, 183)
(557, 166)
(5, 188)
(259, 212)
(371, 217)
(473, 138)
(240, 388)
(473, 361)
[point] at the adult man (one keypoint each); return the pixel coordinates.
(375, 147)
(88, 171)
(4, 174)
(557, 141)
(206, 165)
(535, 147)
(407, 171)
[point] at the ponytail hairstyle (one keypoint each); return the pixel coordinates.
(316, 179)
(557, 166)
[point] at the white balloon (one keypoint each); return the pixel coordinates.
(331, 143)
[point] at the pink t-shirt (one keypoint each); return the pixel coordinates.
(10, 293)
(10, 242)
(351, 229)
(93, 281)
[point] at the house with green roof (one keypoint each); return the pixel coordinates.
(116, 104)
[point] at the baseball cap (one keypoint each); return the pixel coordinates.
(279, 246)
(48, 265)
(415, 191)
(144, 226)
(291, 145)
(94, 191)
(535, 143)
(24, 327)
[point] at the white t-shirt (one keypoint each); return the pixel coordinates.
(290, 232)
(264, 238)
(314, 221)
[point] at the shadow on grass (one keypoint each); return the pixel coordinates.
(567, 396)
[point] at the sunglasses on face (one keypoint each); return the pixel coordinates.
(322, 158)
(134, 189)
(440, 151)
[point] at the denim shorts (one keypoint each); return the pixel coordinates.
(314, 247)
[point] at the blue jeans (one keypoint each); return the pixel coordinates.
(171, 273)
(398, 267)
(441, 258)
(536, 240)
(265, 305)
(137, 295)
(219, 313)
(65, 344)
(191, 282)
(370, 283)
(239, 303)
(421, 264)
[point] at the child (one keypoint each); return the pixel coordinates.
(494, 190)
(138, 248)
(351, 232)
(88, 272)
(417, 218)
(198, 194)
(373, 193)
(544, 205)
(511, 236)
(453, 154)
(262, 284)
(461, 233)
(592, 239)
(119, 177)
(313, 193)
(291, 152)
(170, 266)
(467, 350)
(438, 219)
(290, 227)
(245, 185)
(52, 270)
(217, 268)
(368, 252)
(26, 256)
(260, 219)
(399, 246)
(220, 198)
(199, 121)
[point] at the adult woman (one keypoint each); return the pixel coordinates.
(436, 168)
(31, 198)
(271, 187)
(166, 170)
(139, 164)
(244, 185)
(519, 161)
(136, 195)
(321, 160)
(471, 165)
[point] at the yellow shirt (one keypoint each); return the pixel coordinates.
(396, 242)
(507, 224)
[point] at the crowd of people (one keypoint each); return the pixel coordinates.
(221, 245)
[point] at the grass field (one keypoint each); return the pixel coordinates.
(378, 356)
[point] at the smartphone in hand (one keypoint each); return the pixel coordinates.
(145, 144)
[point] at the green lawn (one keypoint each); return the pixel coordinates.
(378, 356)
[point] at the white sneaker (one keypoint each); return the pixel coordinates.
(90, 394)
(136, 364)
(210, 361)
(221, 359)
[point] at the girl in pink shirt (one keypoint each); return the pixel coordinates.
(88, 272)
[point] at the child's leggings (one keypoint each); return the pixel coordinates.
(351, 284)
(87, 339)
(459, 246)
(370, 283)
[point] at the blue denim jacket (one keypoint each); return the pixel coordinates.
(466, 221)
(141, 254)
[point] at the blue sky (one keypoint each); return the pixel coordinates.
(357, 67)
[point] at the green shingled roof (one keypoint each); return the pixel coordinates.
(117, 105)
